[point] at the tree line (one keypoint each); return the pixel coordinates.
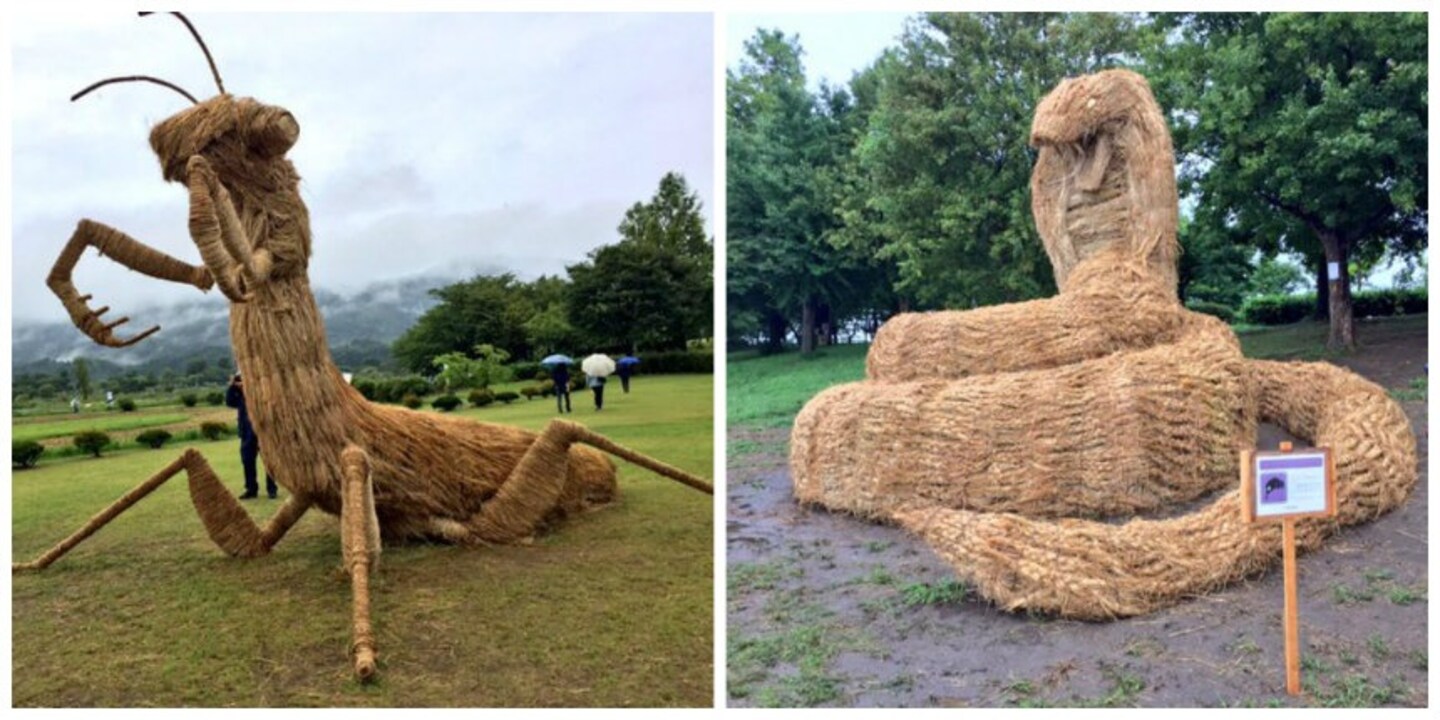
(907, 188)
(650, 290)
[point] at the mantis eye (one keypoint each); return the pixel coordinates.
(274, 132)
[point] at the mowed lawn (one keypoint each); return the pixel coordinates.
(613, 609)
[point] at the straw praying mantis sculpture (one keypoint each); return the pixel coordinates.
(387, 472)
(1006, 436)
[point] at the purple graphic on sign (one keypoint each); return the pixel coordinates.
(1272, 487)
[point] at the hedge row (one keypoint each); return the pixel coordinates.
(1286, 309)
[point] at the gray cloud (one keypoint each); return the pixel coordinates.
(428, 142)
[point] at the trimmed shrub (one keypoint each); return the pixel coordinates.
(25, 454)
(189, 399)
(445, 403)
(481, 398)
(525, 369)
(670, 363)
(398, 388)
(541, 374)
(92, 441)
(126, 405)
(154, 439)
(366, 387)
(1286, 309)
(215, 398)
(546, 388)
(214, 430)
(577, 383)
(1384, 303)
(1219, 310)
(507, 397)
(530, 392)
(411, 401)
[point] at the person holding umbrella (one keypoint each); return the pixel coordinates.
(597, 367)
(625, 368)
(560, 374)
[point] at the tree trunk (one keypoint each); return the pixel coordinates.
(775, 335)
(1322, 291)
(807, 327)
(823, 325)
(1342, 316)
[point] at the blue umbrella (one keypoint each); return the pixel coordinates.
(557, 359)
(629, 360)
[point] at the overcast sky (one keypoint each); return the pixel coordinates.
(836, 45)
(428, 143)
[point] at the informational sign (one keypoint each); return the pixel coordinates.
(1297, 484)
(1283, 487)
(1333, 270)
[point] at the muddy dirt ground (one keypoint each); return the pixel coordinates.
(829, 610)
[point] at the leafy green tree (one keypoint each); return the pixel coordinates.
(651, 289)
(1306, 132)
(459, 371)
(631, 295)
(1213, 268)
(784, 147)
(1274, 276)
(549, 330)
(487, 309)
(946, 160)
(672, 221)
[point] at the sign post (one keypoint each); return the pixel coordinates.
(1282, 487)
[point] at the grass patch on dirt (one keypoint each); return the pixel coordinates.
(613, 609)
(1418, 390)
(789, 666)
(945, 592)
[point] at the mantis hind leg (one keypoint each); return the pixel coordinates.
(553, 478)
(225, 520)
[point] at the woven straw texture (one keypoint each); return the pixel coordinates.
(1024, 441)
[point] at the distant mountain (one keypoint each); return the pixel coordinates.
(358, 325)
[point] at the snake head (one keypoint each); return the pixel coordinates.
(1104, 183)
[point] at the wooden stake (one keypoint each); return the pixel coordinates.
(1292, 612)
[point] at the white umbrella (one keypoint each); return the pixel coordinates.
(597, 365)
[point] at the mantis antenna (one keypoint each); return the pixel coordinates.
(203, 48)
(134, 78)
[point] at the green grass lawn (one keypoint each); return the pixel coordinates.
(613, 609)
(1306, 340)
(53, 426)
(767, 391)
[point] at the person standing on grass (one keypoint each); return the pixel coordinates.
(249, 442)
(597, 386)
(624, 371)
(560, 375)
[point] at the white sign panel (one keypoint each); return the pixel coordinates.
(1333, 269)
(1290, 484)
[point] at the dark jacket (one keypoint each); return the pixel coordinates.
(235, 398)
(561, 375)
